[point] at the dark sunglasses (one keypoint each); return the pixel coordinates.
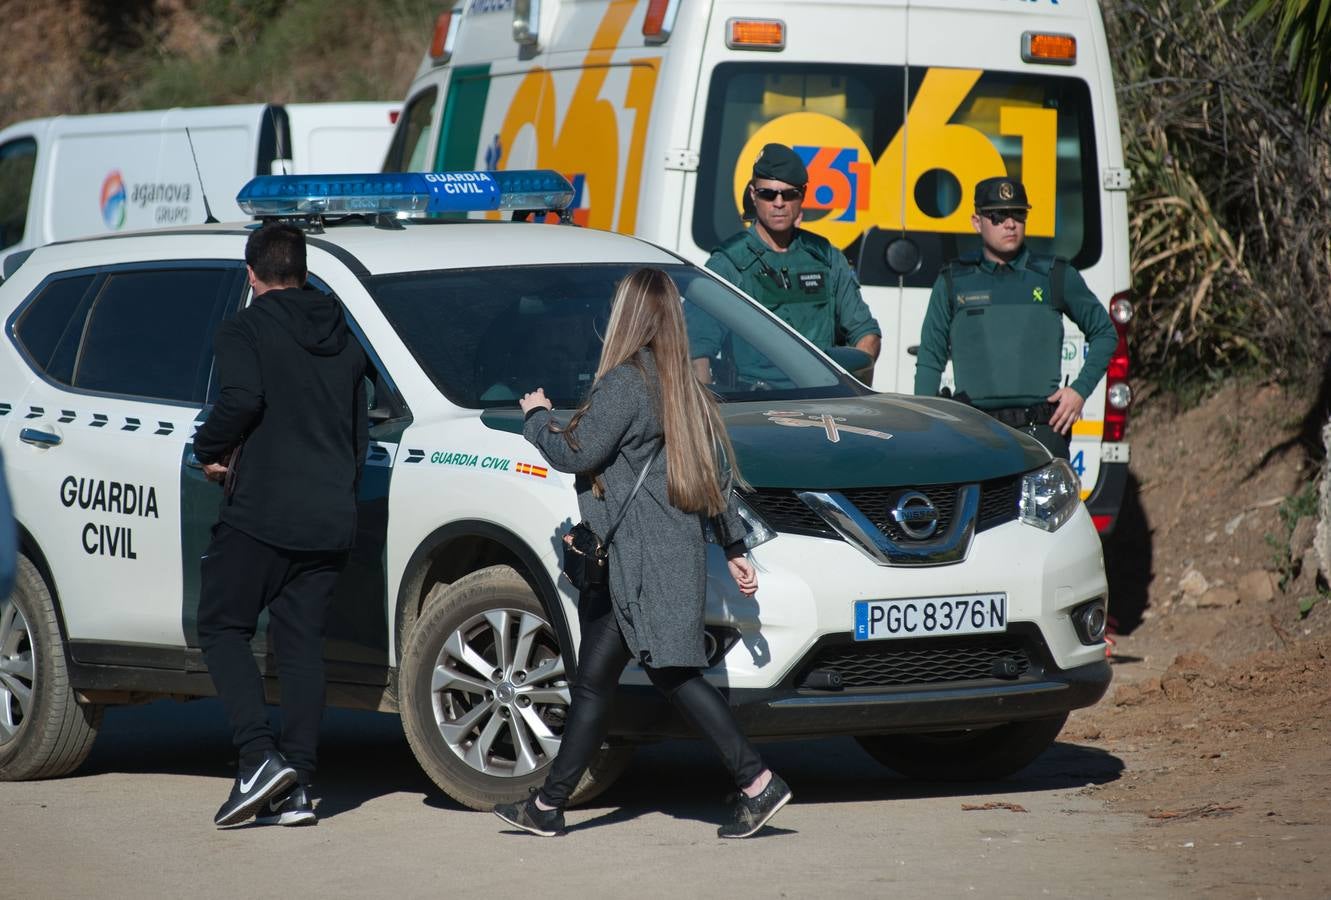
(770, 194)
(999, 216)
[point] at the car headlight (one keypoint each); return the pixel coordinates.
(759, 532)
(1049, 496)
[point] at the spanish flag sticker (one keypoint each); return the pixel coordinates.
(529, 469)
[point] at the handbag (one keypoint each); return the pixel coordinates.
(586, 554)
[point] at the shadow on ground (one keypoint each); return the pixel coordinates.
(364, 755)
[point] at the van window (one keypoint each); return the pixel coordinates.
(18, 159)
(848, 123)
(52, 324)
(410, 148)
(150, 333)
(487, 336)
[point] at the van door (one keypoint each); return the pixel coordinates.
(843, 118)
(977, 111)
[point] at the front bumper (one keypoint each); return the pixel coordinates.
(793, 710)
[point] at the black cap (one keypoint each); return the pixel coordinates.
(780, 163)
(1000, 193)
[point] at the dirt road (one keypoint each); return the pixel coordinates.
(137, 822)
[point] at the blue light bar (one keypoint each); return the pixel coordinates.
(419, 193)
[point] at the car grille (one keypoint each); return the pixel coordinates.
(894, 664)
(784, 511)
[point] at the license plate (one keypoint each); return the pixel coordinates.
(930, 616)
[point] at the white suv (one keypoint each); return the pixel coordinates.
(931, 582)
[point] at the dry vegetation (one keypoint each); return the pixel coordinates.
(86, 56)
(1231, 203)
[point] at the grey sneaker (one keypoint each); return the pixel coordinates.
(750, 814)
(295, 807)
(531, 818)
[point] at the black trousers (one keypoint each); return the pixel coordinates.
(1055, 443)
(602, 659)
(241, 576)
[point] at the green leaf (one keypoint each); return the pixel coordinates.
(1306, 605)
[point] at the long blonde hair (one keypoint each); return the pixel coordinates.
(647, 312)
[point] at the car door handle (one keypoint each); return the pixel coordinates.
(913, 349)
(39, 437)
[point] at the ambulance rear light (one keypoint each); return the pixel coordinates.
(1118, 392)
(403, 193)
(526, 22)
(659, 20)
(756, 34)
(445, 30)
(1049, 49)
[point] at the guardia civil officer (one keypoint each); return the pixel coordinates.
(999, 317)
(795, 273)
(288, 435)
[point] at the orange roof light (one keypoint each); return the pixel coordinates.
(1050, 49)
(756, 34)
(659, 20)
(441, 42)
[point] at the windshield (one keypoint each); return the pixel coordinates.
(487, 336)
(893, 152)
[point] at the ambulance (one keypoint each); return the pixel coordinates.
(74, 176)
(655, 110)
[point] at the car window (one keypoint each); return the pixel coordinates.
(409, 150)
(150, 333)
(18, 159)
(51, 325)
(487, 336)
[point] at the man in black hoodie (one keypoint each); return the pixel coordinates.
(288, 436)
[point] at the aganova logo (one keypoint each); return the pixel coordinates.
(113, 200)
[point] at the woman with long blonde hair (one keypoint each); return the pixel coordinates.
(647, 410)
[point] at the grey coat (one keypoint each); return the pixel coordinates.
(658, 566)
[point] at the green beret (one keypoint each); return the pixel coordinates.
(1000, 193)
(780, 163)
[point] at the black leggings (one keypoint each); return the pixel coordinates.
(602, 659)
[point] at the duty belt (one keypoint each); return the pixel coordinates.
(1023, 416)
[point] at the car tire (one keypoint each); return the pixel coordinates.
(44, 731)
(981, 755)
(487, 737)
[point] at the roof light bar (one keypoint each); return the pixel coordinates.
(404, 193)
(1053, 49)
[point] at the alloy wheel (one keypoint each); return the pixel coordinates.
(18, 670)
(500, 693)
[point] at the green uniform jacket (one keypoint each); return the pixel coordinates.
(1004, 334)
(810, 286)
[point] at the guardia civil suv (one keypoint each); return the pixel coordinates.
(931, 582)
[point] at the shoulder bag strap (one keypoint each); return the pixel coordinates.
(609, 535)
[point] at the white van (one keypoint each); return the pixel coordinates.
(75, 176)
(656, 109)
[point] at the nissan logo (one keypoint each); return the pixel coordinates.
(915, 514)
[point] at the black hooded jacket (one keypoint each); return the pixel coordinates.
(292, 388)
